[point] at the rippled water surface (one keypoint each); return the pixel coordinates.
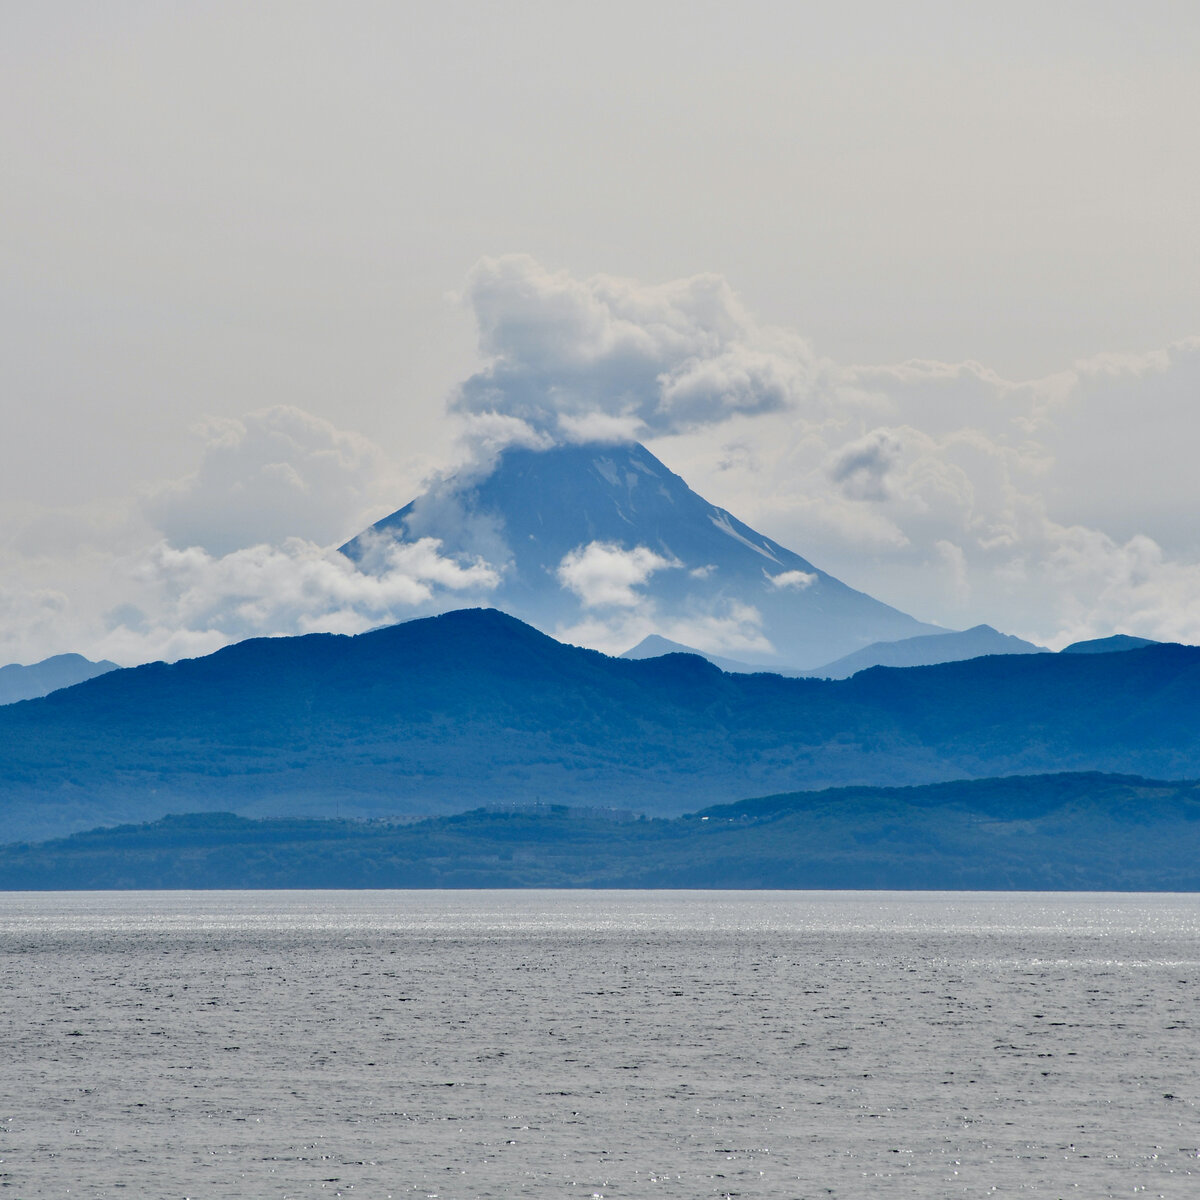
(480, 1044)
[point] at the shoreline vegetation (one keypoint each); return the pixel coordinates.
(1083, 831)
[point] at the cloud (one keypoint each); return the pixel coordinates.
(1098, 585)
(190, 601)
(106, 583)
(602, 428)
(955, 564)
(30, 618)
(861, 467)
(620, 358)
(1058, 508)
(730, 628)
(604, 575)
(791, 580)
(267, 476)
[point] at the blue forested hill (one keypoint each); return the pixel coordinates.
(1075, 831)
(1116, 643)
(474, 707)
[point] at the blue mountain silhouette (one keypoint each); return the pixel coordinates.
(474, 707)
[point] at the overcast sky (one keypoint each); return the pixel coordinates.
(941, 260)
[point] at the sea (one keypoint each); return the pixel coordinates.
(599, 1044)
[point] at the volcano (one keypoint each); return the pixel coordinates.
(603, 541)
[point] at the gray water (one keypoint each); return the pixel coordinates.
(487, 1044)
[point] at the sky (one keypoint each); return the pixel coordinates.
(911, 289)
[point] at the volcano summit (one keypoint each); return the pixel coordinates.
(603, 541)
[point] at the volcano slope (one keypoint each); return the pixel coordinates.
(537, 511)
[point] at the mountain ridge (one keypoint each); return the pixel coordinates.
(1114, 644)
(475, 707)
(926, 650)
(29, 682)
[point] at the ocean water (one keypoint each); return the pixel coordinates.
(599, 1044)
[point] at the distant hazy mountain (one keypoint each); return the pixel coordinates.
(927, 650)
(39, 679)
(473, 708)
(1023, 832)
(1109, 645)
(922, 651)
(655, 646)
(536, 508)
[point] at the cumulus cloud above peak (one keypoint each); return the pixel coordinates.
(613, 359)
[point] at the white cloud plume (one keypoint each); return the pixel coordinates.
(597, 428)
(267, 476)
(190, 601)
(603, 575)
(569, 355)
(164, 602)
